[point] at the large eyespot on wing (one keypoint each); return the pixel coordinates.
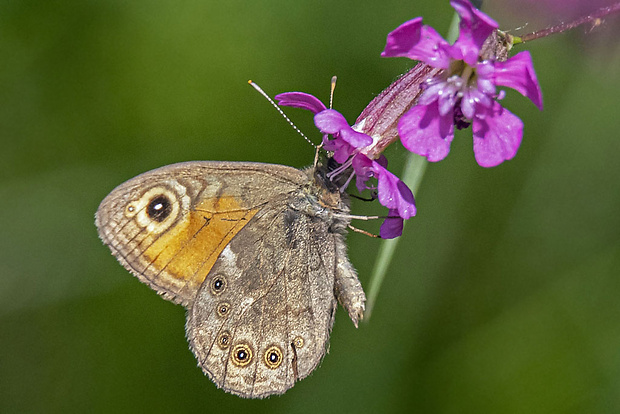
(279, 299)
(168, 226)
(132, 218)
(170, 241)
(158, 208)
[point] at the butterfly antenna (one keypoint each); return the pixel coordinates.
(331, 101)
(316, 154)
(331, 92)
(258, 88)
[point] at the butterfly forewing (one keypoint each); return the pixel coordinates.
(168, 226)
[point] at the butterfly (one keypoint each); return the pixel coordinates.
(255, 252)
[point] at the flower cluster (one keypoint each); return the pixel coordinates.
(348, 146)
(465, 91)
(460, 90)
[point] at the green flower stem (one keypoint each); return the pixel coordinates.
(412, 176)
(453, 30)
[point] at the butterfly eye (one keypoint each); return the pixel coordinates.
(159, 208)
(242, 354)
(273, 357)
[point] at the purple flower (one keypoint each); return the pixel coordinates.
(465, 91)
(349, 146)
(332, 122)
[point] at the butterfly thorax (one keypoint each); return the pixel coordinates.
(322, 199)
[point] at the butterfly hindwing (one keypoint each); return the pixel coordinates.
(279, 297)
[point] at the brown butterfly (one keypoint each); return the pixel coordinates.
(256, 254)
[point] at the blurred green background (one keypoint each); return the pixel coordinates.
(503, 295)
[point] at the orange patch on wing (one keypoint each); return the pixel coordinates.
(185, 254)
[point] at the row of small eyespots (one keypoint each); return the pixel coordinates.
(242, 353)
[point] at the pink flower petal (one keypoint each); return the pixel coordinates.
(392, 226)
(403, 38)
(393, 193)
(497, 136)
(518, 73)
(300, 100)
(362, 165)
(357, 139)
(475, 27)
(424, 132)
(330, 121)
(333, 122)
(486, 83)
(431, 49)
(415, 41)
(342, 150)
